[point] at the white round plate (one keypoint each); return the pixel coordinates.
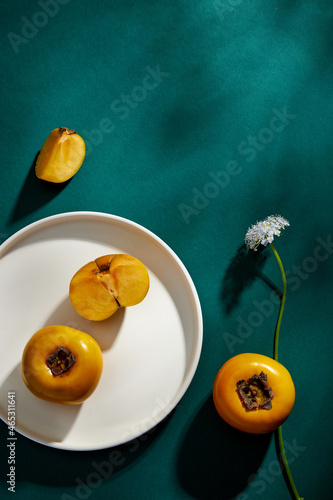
(151, 350)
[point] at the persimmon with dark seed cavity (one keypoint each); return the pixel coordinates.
(253, 393)
(62, 365)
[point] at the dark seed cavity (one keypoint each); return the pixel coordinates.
(60, 361)
(254, 392)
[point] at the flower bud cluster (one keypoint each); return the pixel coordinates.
(263, 232)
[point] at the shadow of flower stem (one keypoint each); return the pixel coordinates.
(270, 283)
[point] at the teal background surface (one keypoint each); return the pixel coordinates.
(200, 118)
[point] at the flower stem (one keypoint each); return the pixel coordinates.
(283, 299)
(286, 468)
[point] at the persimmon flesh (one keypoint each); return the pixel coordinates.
(61, 156)
(104, 285)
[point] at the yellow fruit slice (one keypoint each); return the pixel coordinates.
(61, 156)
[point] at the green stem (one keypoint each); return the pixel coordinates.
(283, 300)
(286, 469)
(291, 483)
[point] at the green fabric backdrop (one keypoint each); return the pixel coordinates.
(200, 118)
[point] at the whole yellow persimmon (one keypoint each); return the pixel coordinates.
(99, 288)
(253, 393)
(61, 156)
(62, 365)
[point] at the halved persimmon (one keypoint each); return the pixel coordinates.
(61, 156)
(102, 286)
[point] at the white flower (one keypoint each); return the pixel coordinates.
(262, 233)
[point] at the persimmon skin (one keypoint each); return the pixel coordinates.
(229, 405)
(73, 386)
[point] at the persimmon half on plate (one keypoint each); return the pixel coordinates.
(101, 287)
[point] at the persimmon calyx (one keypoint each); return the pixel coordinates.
(60, 361)
(254, 392)
(69, 131)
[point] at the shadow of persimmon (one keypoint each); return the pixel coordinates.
(216, 460)
(28, 408)
(104, 332)
(35, 193)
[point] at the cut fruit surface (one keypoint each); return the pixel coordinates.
(61, 156)
(100, 287)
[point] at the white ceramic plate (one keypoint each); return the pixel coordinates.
(150, 351)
